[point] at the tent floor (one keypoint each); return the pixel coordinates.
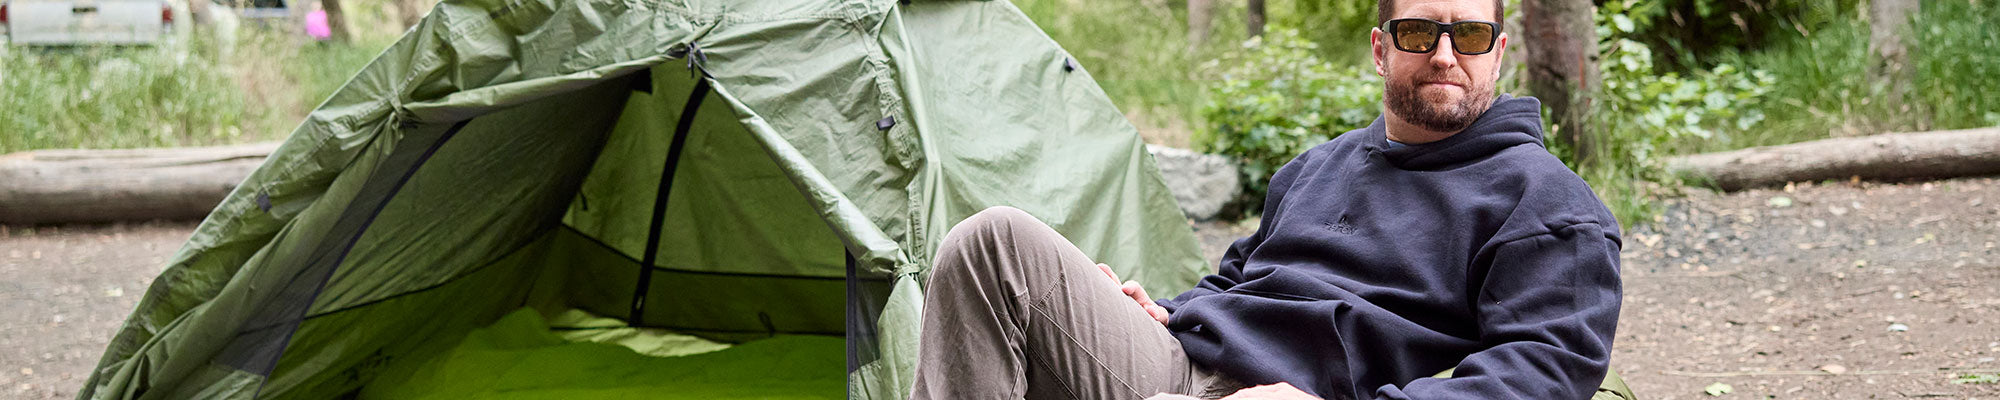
(582, 357)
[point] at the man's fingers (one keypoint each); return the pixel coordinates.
(1158, 313)
(1107, 271)
(1278, 391)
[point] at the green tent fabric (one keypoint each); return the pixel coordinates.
(519, 358)
(736, 170)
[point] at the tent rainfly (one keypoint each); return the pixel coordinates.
(728, 169)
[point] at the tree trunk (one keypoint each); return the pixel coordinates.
(336, 20)
(1941, 154)
(58, 186)
(1256, 18)
(410, 11)
(1889, 22)
(1200, 14)
(1561, 44)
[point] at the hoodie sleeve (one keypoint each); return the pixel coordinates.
(1547, 307)
(1230, 270)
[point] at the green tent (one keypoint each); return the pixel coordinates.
(734, 170)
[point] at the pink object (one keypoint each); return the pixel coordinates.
(316, 25)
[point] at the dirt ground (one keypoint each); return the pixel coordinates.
(65, 291)
(1848, 290)
(1844, 291)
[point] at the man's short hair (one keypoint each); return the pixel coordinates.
(1385, 8)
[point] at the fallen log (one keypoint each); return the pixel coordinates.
(1895, 156)
(60, 186)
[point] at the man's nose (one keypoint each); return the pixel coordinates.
(1444, 56)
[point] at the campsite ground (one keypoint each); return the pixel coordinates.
(1746, 289)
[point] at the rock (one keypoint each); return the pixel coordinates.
(1203, 184)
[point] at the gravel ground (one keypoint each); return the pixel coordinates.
(66, 290)
(1844, 290)
(1848, 290)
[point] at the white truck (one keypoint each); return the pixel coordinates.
(86, 22)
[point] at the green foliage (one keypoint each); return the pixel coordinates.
(1138, 51)
(1819, 88)
(1278, 99)
(1986, 378)
(1639, 109)
(1822, 87)
(200, 91)
(1340, 27)
(1954, 45)
(115, 97)
(1689, 33)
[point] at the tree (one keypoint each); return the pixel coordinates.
(410, 12)
(1200, 14)
(335, 20)
(1561, 44)
(1889, 22)
(1256, 18)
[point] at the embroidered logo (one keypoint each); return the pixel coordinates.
(1341, 226)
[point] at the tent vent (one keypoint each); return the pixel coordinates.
(885, 123)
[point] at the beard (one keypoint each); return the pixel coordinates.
(1435, 110)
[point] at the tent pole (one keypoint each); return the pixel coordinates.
(637, 317)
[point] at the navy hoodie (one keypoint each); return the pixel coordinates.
(1375, 268)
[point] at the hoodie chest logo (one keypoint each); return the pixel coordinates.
(1341, 226)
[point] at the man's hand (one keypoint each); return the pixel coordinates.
(1276, 391)
(1138, 294)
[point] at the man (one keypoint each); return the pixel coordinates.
(1441, 237)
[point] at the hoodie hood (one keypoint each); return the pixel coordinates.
(1510, 121)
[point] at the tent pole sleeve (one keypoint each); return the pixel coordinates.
(637, 316)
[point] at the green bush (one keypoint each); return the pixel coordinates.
(1277, 99)
(1639, 109)
(1689, 34)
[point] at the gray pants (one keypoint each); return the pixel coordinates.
(1015, 311)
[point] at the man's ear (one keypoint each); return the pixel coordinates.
(1375, 45)
(1499, 56)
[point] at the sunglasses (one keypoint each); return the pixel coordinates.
(1418, 35)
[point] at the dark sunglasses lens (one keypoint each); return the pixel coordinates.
(1471, 37)
(1414, 35)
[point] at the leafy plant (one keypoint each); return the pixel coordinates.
(1277, 99)
(1640, 109)
(1988, 378)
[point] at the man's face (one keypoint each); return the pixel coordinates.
(1440, 90)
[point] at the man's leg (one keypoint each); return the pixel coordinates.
(1013, 310)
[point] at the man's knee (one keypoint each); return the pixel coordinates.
(979, 233)
(995, 218)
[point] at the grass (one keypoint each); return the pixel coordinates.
(1138, 53)
(1823, 87)
(199, 91)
